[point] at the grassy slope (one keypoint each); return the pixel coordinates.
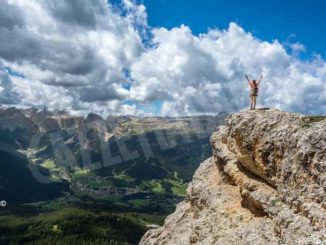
(18, 185)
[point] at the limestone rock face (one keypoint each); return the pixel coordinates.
(265, 184)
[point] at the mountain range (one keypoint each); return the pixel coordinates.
(51, 160)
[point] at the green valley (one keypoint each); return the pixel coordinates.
(94, 180)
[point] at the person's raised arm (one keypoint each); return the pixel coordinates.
(247, 78)
(261, 77)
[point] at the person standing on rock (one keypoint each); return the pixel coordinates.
(253, 91)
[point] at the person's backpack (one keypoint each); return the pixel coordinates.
(255, 90)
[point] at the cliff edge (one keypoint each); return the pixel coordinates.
(265, 184)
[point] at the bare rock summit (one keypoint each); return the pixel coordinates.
(264, 184)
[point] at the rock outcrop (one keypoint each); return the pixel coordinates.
(265, 184)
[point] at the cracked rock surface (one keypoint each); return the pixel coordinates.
(265, 184)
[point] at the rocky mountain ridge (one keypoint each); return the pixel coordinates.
(106, 158)
(265, 184)
(86, 129)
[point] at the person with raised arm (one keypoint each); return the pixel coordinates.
(254, 88)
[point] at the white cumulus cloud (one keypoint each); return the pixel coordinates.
(205, 73)
(95, 56)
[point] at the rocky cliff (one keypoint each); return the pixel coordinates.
(265, 184)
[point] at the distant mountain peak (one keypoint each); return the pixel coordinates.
(93, 117)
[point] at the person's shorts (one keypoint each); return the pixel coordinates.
(253, 95)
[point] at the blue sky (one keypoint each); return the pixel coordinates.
(92, 56)
(286, 20)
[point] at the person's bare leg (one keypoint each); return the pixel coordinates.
(251, 102)
(255, 102)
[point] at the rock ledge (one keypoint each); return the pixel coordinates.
(265, 184)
